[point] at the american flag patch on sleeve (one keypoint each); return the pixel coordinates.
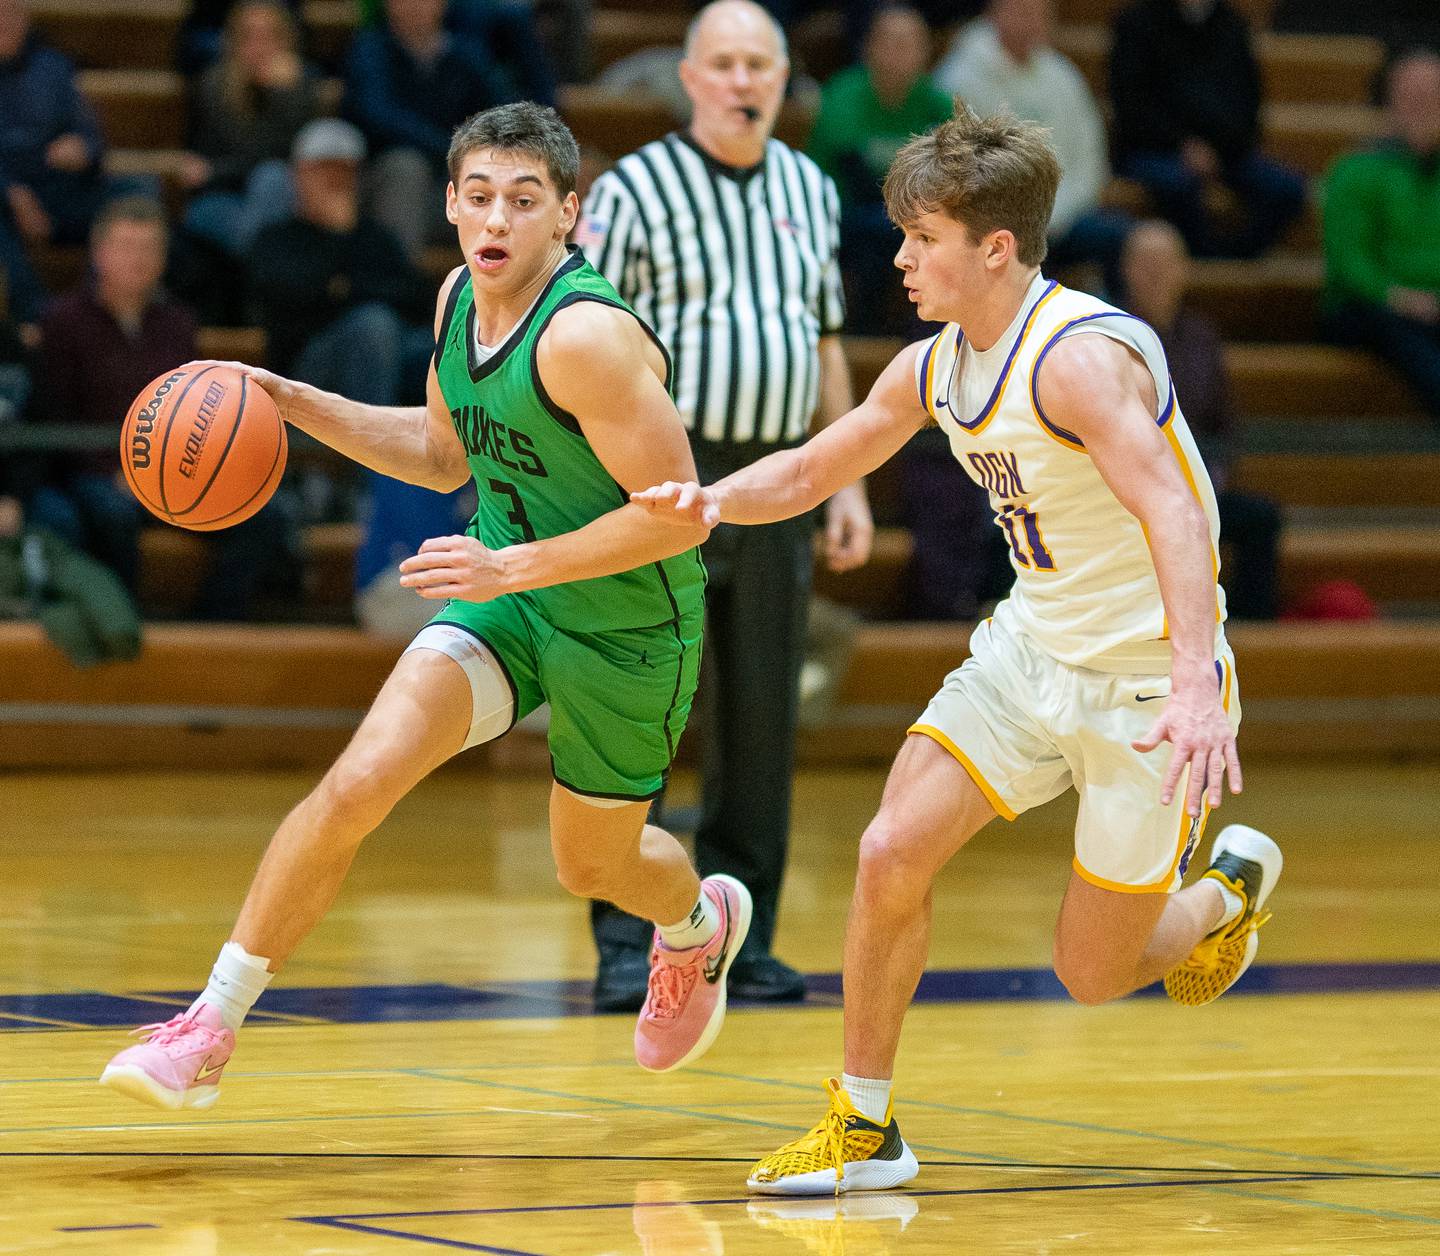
(590, 232)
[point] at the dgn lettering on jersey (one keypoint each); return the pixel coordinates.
(998, 471)
(485, 437)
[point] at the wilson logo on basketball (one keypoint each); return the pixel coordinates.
(202, 447)
(145, 422)
(195, 442)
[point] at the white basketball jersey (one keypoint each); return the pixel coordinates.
(1085, 588)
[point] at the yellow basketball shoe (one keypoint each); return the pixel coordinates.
(845, 1152)
(1248, 863)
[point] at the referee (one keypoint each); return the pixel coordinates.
(725, 241)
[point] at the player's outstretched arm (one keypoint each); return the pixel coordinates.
(793, 481)
(1095, 387)
(412, 443)
(595, 362)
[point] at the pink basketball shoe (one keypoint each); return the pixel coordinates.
(685, 1005)
(179, 1063)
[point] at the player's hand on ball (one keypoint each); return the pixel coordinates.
(455, 567)
(682, 504)
(279, 388)
(1195, 724)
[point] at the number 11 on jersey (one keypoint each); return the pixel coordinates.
(1022, 530)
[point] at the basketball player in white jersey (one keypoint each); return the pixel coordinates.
(1110, 644)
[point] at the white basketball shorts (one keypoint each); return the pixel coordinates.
(1026, 727)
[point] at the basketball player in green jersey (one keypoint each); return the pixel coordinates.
(551, 393)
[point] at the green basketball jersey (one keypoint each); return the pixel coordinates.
(536, 474)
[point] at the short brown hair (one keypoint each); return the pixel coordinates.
(535, 130)
(987, 173)
(130, 209)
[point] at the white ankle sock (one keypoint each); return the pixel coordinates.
(1234, 904)
(236, 981)
(870, 1095)
(699, 926)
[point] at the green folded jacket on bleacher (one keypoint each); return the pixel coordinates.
(80, 603)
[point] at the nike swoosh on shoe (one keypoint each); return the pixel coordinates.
(716, 962)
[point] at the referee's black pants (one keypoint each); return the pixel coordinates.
(756, 605)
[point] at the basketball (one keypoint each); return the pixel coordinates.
(203, 447)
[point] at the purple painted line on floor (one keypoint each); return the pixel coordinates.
(455, 1244)
(509, 1000)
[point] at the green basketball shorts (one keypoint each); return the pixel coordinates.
(618, 699)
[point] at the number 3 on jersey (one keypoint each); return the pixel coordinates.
(1022, 530)
(517, 514)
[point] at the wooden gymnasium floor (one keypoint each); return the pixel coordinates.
(427, 1075)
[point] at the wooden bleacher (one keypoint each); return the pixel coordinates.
(201, 696)
(1103, 11)
(281, 695)
(1343, 481)
(1320, 69)
(1299, 380)
(141, 34)
(1392, 563)
(144, 108)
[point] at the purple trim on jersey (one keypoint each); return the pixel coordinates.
(1166, 414)
(1009, 362)
(925, 373)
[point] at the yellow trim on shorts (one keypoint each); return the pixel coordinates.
(1161, 886)
(1158, 887)
(1182, 840)
(1001, 809)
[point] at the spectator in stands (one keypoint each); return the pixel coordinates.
(867, 112)
(50, 148)
(100, 345)
(565, 31)
(342, 306)
(398, 518)
(509, 30)
(1003, 63)
(1185, 84)
(247, 109)
(857, 16)
(20, 472)
(652, 71)
(959, 559)
(1382, 234)
(513, 32)
(1156, 271)
(14, 368)
(409, 83)
(1399, 23)
(203, 32)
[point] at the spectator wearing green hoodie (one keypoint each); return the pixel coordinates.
(1382, 234)
(867, 113)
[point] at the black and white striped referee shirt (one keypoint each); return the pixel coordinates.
(736, 270)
